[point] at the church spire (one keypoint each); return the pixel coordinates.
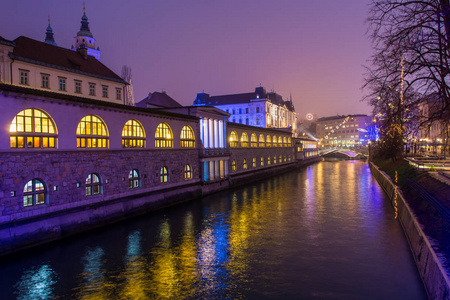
(85, 41)
(49, 39)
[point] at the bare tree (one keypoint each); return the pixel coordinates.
(410, 61)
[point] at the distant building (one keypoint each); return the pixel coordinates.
(44, 66)
(343, 131)
(259, 108)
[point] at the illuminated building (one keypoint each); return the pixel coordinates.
(259, 108)
(343, 131)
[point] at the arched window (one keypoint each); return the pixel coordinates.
(268, 160)
(244, 164)
(268, 141)
(244, 139)
(134, 180)
(187, 172)
(289, 141)
(280, 141)
(32, 128)
(234, 139)
(233, 165)
(164, 174)
(93, 185)
(274, 141)
(262, 161)
(133, 135)
(253, 140)
(92, 133)
(34, 193)
(163, 136)
(285, 142)
(254, 162)
(261, 141)
(187, 137)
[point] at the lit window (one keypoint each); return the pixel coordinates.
(164, 175)
(32, 128)
(261, 141)
(187, 138)
(134, 180)
(268, 160)
(24, 77)
(62, 83)
(280, 159)
(289, 157)
(34, 193)
(244, 139)
(280, 141)
(244, 165)
(133, 135)
(77, 87)
(92, 133)
(262, 161)
(163, 136)
(253, 140)
(104, 91)
(187, 172)
(268, 141)
(254, 162)
(285, 144)
(45, 81)
(274, 159)
(118, 94)
(91, 89)
(93, 186)
(274, 141)
(233, 165)
(289, 142)
(233, 139)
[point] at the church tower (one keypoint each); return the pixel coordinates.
(49, 39)
(85, 39)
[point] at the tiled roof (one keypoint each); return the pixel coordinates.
(159, 100)
(41, 53)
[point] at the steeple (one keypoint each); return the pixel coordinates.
(84, 41)
(49, 39)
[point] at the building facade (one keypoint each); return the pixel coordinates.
(343, 131)
(260, 109)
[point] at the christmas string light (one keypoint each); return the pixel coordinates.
(396, 195)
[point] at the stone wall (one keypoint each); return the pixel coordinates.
(430, 268)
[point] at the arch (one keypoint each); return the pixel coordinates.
(133, 134)
(134, 179)
(233, 165)
(234, 139)
(163, 136)
(93, 184)
(164, 174)
(244, 139)
(33, 128)
(289, 141)
(274, 141)
(34, 193)
(187, 137)
(269, 141)
(187, 172)
(92, 133)
(261, 141)
(253, 140)
(280, 141)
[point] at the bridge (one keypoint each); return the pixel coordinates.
(343, 153)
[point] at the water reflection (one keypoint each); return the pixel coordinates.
(36, 283)
(321, 232)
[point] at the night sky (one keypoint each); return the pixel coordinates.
(314, 50)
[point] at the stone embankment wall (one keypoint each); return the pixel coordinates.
(68, 210)
(430, 268)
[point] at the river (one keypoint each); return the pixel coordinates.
(323, 232)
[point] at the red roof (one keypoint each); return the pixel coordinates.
(41, 53)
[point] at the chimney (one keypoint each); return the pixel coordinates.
(83, 51)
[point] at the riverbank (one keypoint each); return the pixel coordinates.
(423, 225)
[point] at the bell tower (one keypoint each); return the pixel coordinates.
(85, 39)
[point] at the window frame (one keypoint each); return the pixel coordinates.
(37, 195)
(134, 179)
(164, 175)
(90, 140)
(133, 134)
(45, 81)
(24, 77)
(187, 137)
(163, 136)
(94, 187)
(62, 84)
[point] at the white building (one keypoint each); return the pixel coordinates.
(259, 108)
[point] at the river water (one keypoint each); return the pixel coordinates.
(323, 232)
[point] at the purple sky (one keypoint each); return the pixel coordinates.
(314, 50)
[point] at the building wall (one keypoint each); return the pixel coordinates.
(342, 131)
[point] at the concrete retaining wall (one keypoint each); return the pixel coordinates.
(430, 268)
